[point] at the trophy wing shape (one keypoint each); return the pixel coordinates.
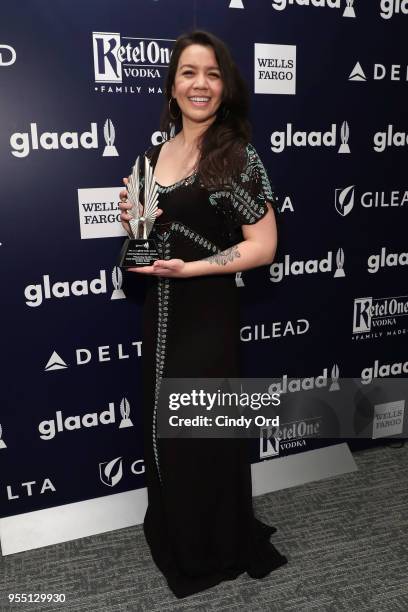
(150, 199)
(109, 132)
(133, 189)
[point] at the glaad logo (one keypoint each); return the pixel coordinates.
(117, 57)
(384, 260)
(312, 266)
(388, 419)
(383, 371)
(2, 443)
(281, 140)
(48, 429)
(382, 140)
(7, 55)
(109, 135)
(117, 280)
(35, 294)
(100, 354)
(344, 199)
(159, 137)
(22, 143)
(275, 69)
(380, 73)
(111, 472)
(389, 8)
(281, 5)
(372, 315)
(305, 384)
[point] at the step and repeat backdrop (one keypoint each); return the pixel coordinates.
(81, 96)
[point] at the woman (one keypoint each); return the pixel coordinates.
(216, 219)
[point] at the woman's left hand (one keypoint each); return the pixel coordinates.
(171, 268)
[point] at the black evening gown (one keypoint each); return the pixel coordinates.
(200, 523)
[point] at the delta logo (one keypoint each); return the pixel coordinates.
(379, 72)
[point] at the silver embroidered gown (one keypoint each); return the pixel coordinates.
(200, 523)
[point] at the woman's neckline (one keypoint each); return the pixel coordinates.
(186, 179)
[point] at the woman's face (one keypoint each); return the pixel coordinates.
(197, 84)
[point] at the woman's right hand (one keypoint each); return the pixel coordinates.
(124, 206)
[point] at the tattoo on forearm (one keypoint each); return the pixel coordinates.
(225, 256)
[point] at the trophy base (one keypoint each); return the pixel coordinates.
(138, 253)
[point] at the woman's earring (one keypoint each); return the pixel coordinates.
(170, 113)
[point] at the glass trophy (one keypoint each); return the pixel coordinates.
(140, 250)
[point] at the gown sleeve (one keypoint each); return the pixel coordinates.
(244, 202)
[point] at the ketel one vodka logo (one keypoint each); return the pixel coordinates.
(111, 472)
(23, 143)
(2, 443)
(291, 138)
(48, 429)
(373, 317)
(311, 266)
(117, 58)
(287, 437)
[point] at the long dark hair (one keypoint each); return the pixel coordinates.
(222, 147)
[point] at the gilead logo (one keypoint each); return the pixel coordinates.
(35, 294)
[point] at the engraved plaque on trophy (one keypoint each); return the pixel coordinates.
(140, 250)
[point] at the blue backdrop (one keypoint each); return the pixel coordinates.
(81, 96)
